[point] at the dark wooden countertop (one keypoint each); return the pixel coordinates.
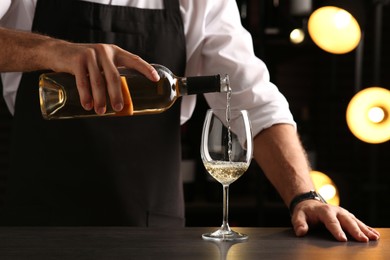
(186, 243)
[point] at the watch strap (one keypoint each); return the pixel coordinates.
(311, 195)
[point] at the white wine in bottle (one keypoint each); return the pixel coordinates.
(59, 98)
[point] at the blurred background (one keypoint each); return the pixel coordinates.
(319, 85)
(319, 82)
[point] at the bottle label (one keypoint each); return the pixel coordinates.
(128, 108)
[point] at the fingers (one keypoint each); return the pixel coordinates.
(299, 223)
(98, 86)
(90, 83)
(111, 57)
(83, 87)
(111, 75)
(371, 233)
(344, 220)
(129, 60)
(95, 69)
(333, 225)
(357, 229)
(336, 219)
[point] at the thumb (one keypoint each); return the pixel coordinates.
(300, 224)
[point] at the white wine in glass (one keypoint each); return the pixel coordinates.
(226, 151)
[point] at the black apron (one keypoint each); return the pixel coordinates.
(99, 171)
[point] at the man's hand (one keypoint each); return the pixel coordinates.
(336, 219)
(95, 69)
(94, 65)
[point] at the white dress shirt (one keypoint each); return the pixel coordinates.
(216, 44)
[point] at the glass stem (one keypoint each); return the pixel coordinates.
(225, 223)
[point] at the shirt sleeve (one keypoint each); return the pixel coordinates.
(18, 16)
(4, 6)
(217, 43)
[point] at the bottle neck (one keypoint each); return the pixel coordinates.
(203, 84)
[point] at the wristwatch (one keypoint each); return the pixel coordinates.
(311, 195)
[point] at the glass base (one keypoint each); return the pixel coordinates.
(225, 235)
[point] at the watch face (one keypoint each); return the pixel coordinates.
(315, 195)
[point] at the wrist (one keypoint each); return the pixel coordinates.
(54, 54)
(311, 195)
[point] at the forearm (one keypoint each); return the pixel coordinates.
(94, 65)
(24, 51)
(280, 154)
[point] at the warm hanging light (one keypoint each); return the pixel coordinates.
(297, 35)
(334, 30)
(326, 187)
(368, 115)
(376, 114)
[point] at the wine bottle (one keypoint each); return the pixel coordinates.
(59, 98)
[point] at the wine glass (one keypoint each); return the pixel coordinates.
(226, 151)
